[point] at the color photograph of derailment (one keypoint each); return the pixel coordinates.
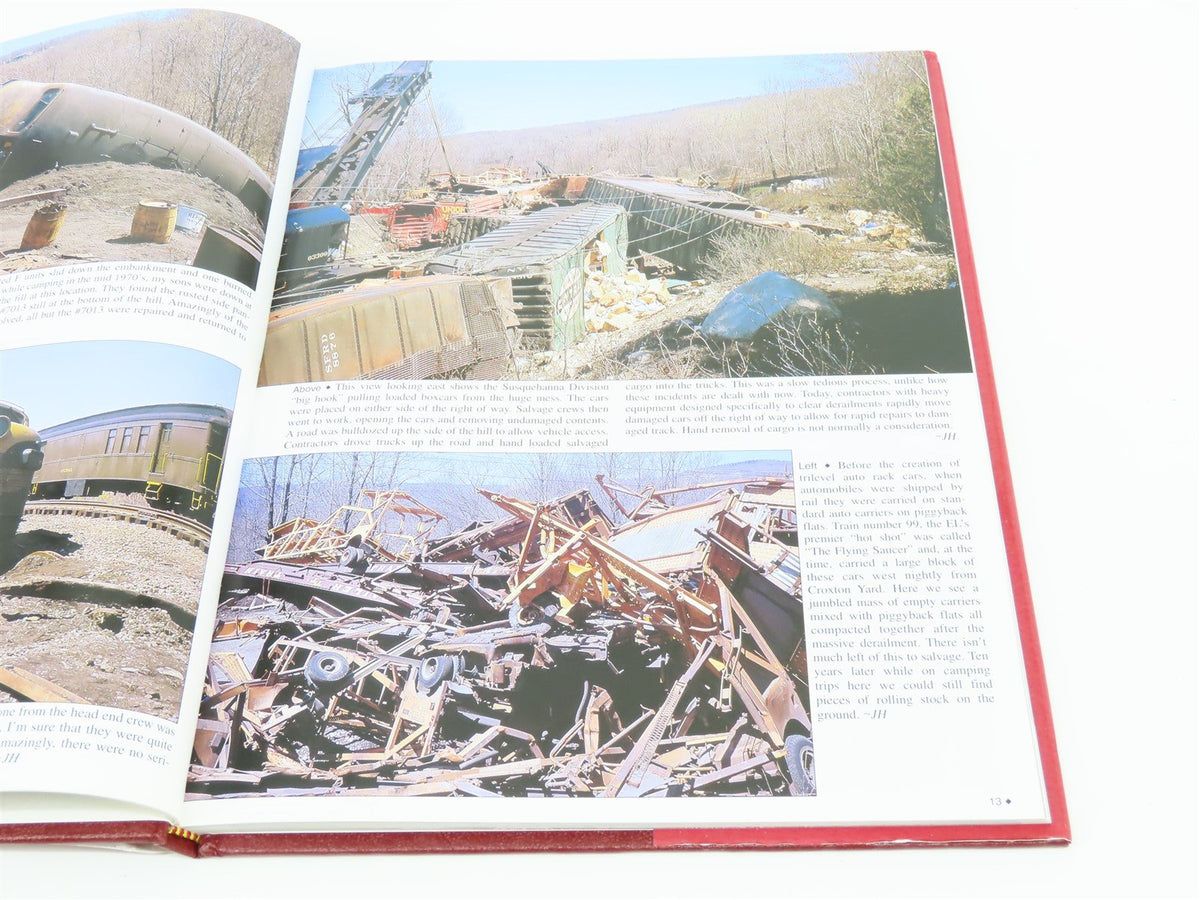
(513, 625)
(148, 137)
(782, 216)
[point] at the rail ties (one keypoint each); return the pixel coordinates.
(179, 526)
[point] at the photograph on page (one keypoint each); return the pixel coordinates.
(106, 504)
(149, 137)
(510, 625)
(648, 219)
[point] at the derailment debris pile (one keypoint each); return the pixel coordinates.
(551, 651)
(613, 301)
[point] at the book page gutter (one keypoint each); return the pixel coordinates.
(909, 667)
(130, 334)
(107, 724)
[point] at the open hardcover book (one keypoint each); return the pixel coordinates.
(422, 455)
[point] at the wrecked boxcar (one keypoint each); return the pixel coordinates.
(678, 222)
(549, 652)
(547, 254)
(408, 328)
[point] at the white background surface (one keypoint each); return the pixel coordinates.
(1076, 130)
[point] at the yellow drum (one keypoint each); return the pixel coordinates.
(154, 221)
(43, 227)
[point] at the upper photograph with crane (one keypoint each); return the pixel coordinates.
(147, 137)
(635, 219)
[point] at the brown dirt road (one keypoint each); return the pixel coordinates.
(126, 648)
(101, 199)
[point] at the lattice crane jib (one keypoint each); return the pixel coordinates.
(383, 108)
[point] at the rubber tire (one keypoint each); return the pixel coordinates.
(433, 671)
(523, 616)
(354, 560)
(798, 757)
(327, 671)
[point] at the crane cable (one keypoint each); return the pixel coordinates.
(438, 128)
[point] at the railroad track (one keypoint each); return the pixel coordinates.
(180, 526)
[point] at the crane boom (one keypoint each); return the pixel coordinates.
(384, 107)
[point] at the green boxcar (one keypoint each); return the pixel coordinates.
(547, 254)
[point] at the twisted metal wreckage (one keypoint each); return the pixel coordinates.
(550, 652)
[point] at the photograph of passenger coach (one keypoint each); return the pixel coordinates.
(139, 162)
(169, 453)
(519, 625)
(114, 484)
(770, 216)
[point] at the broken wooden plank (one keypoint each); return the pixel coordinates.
(36, 688)
(728, 772)
(52, 194)
(211, 743)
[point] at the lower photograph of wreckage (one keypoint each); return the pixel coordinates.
(611, 641)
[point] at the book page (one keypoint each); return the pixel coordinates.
(136, 180)
(619, 461)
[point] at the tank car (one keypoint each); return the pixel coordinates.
(20, 458)
(44, 126)
(170, 453)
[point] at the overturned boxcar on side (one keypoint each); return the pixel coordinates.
(680, 222)
(547, 255)
(408, 328)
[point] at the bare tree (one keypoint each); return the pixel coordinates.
(228, 73)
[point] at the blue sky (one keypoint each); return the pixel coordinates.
(10, 46)
(499, 468)
(490, 96)
(56, 383)
(499, 471)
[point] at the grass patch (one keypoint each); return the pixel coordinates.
(743, 254)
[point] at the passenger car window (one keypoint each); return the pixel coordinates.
(38, 108)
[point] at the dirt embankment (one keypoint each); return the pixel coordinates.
(101, 608)
(100, 200)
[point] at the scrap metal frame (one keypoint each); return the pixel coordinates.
(306, 541)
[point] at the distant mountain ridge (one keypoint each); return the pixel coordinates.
(719, 138)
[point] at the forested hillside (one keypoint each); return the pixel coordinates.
(228, 73)
(876, 131)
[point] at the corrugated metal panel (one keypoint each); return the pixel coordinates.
(685, 193)
(780, 566)
(408, 328)
(679, 222)
(769, 494)
(545, 253)
(535, 239)
(726, 203)
(471, 204)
